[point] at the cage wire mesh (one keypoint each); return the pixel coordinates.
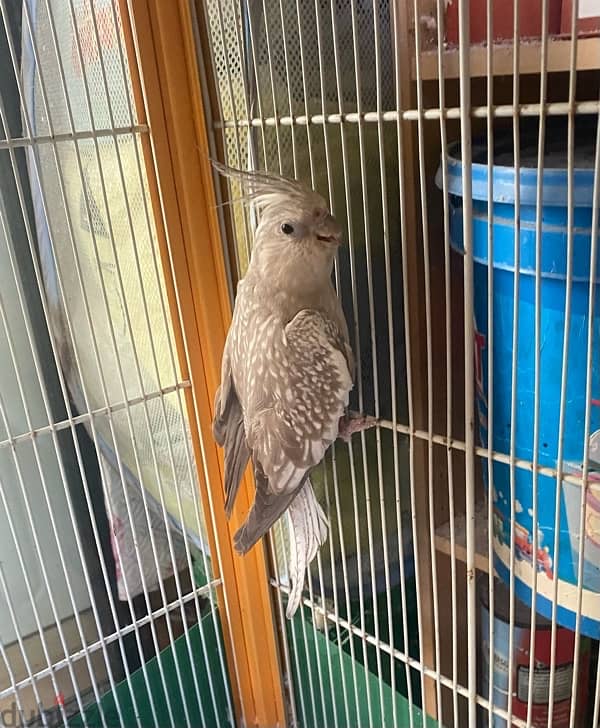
(286, 61)
(107, 594)
(483, 369)
(279, 60)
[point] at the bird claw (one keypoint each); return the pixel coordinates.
(353, 422)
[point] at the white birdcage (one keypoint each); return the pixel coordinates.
(322, 89)
(457, 143)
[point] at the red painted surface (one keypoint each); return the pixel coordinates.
(585, 26)
(530, 19)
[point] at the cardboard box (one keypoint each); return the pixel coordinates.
(530, 19)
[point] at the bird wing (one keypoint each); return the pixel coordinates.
(228, 431)
(309, 376)
(221, 417)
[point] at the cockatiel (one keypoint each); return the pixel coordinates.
(287, 368)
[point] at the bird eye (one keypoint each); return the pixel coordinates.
(287, 229)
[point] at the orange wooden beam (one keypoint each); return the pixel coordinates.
(162, 57)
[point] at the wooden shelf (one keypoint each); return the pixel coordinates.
(442, 538)
(559, 49)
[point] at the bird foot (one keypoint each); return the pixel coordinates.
(353, 422)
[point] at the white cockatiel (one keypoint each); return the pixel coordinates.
(287, 368)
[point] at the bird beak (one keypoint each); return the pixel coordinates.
(329, 232)
(330, 239)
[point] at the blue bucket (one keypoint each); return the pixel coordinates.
(551, 563)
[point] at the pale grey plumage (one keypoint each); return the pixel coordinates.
(287, 367)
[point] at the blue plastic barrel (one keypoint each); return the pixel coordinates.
(556, 559)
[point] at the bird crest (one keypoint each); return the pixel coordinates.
(265, 189)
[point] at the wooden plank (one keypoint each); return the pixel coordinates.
(413, 271)
(588, 58)
(455, 654)
(169, 99)
(443, 544)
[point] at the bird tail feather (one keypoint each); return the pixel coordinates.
(308, 528)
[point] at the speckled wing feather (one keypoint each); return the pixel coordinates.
(292, 413)
(228, 431)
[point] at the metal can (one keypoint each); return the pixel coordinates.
(519, 680)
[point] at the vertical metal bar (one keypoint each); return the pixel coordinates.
(318, 658)
(448, 331)
(289, 677)
(338, 514)
(333, 567)
(590, 342)
(359, 569)
(428, 332)
(467, 215)
(563, 400)
(490, 346)
(537, 365)
(415, 355)
(515, 341)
